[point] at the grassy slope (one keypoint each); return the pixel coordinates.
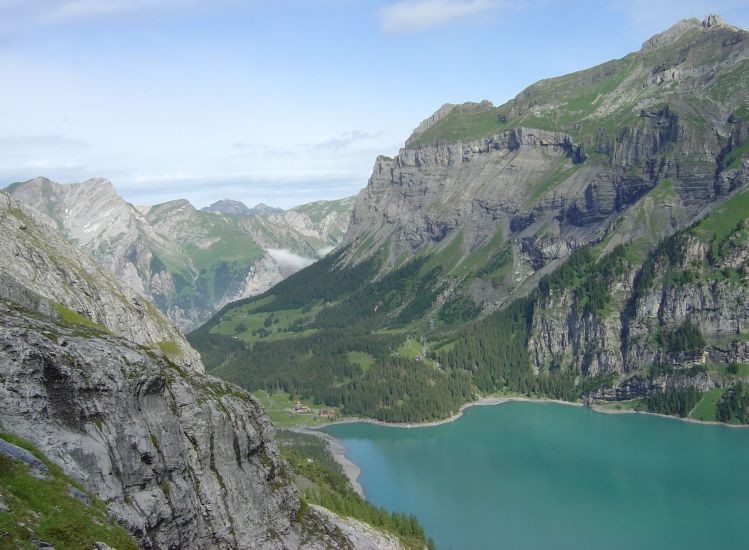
(42, 509)
(577, 103)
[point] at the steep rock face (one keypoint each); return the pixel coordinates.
(181, 460)
(101, 223)
(429, 193)
(569, 161)
(188, 262)
(679, 284)
(45, 263)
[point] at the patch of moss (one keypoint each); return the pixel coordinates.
(72, 319)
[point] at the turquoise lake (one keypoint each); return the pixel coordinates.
(543, 475)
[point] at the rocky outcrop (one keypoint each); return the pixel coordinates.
(181, 459)
(679, 284)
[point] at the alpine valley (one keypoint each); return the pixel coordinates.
(584, 241)
(587, 241)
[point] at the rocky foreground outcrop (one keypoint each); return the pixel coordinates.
(181, 459)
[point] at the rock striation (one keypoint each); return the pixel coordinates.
(570, 161)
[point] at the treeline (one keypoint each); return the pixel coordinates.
(324, 280)
(675, 401)
(371, 305)
(317, 367)
(687, 337)
(403, 390)
(733, 405)
(309, 457)
(306, 366)
(459, 310)
(217, 349)
(488, 355)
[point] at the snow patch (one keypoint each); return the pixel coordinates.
(325, 250)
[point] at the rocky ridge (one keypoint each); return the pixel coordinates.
(578, 180)
(39, 261)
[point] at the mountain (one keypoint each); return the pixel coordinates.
(228, 206)
(188, 262)
(123, 425)
(583, 240)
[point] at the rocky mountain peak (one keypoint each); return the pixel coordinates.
(81, 291)
(430, 121)
(177, 204)
(238, 208)
(262, 208)
(228, 206)
(711, 20)
(98, 184)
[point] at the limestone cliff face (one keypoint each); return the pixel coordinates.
(570, 161)
(181, 459)
(40, 260)
(188, 262)
(429, 193)
(679, 284)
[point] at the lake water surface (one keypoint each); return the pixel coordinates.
(544, 475)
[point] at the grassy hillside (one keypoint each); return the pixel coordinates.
(51, 508)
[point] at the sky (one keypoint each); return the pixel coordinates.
(276, 101)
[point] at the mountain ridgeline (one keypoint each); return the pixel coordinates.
(188, 262)
(585, 240)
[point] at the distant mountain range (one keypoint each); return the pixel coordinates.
(189, 262)
(227, 206)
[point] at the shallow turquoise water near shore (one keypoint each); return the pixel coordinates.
(542, 475)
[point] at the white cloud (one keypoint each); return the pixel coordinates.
(286, 258)
(60, 11)
(345, 139)
(41, 142)
(416, 15)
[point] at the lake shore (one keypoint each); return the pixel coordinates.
(487, 401)
(352, 471)
(337, 449)
(500, 399)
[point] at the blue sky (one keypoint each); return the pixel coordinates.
(277, 101)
